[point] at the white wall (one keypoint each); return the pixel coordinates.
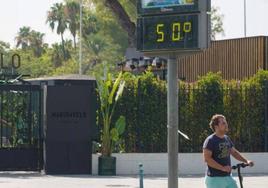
(189, 163)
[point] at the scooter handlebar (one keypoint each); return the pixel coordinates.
(240, 165)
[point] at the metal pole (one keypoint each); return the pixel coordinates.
(80, 41)
(172, 123)
(40, 140)
(141, 175)
(1, 116)
(266, 117)
(245, 18)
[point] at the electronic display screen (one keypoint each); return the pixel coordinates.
(169, 32)
(157, 7)
(165, 3)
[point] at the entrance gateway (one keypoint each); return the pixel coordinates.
(20, 127)
(48, 124)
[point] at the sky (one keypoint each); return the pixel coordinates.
(18, 13)
(233, 21)
(15, 14)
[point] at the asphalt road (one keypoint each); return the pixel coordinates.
(37, 180)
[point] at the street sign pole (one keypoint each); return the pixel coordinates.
(81, 38)
(172, 123)
(177, 29)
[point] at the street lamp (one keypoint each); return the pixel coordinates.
(80, 41)
(245, 18)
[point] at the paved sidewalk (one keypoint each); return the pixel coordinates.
(36, 180)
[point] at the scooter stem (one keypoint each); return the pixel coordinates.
(240, 177)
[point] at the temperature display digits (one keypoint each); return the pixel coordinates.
(168, 32)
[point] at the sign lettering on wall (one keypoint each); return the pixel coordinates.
(15, 61)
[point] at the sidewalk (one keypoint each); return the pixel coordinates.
(36, 180)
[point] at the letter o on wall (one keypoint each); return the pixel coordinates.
(16, 64)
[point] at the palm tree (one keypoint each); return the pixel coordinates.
(30, 39)
(23, 38)
(95, 44)
(72, 9)
(56, 55)
(56, 16)
(36, 42)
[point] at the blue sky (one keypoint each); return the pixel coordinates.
(17, 13)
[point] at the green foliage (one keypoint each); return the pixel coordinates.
(16, 128)
(186, 117)
(34, 66)
(207, 100)
(131, 8)
(143, 103)
(69, 67)
(255, 98)
(56, 17)
(259, 79)
(146, 122)
(117, 132)
(104, 41)
(29, 39)
(109, 92)
(233, 108)
(216, 23)
(4, 47)
(72, 10)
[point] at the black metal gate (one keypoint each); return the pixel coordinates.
(20, 127)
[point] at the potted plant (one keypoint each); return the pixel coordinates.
(109, 92)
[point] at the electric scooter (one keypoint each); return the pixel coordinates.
(238, 167)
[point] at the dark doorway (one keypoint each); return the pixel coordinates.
(70, 119)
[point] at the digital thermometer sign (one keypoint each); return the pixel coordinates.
(173, 25)
(168, 32)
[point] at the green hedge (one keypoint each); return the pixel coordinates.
(144, 104)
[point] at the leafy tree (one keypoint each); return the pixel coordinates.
(56, 16)
(216, 23)
(69, 67)
(91, 24)
(56, 53)
(103, 38)
(30, 39)
(122, 17)
(57, 56)
(72, 9)
(32, 65)
(99, 50)
(126, 17)
(4, 46)
(36, 42)
(23, 38)
(94, 44)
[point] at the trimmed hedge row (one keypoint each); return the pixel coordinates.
(144, 104)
